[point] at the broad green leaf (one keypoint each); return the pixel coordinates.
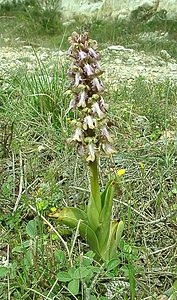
(103, 194)
(119, 232)
(22, 247)
(115, 237)
(71, 271)
(90, 236)
(60, 256)
(73, 286)
(95, 188)
(70, 216)
(3, 271)
(88, 258)
(82, 272)
(105, 217)
(93, 214)
(31, 228)
(64, 276)
(112, 264)
(28, 259)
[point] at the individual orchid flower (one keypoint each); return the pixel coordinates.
(93, 53)
(108, 149)
(102, 104)
(78, 79)
(88, 69)
(72, 105)
(106, 134)
(78, 135)
(82, 99)
(97, 85)
(89, 122)
(80, 149)
(82, 55)
(91, 153)
(96, 110)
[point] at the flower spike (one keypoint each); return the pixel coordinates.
(92, 136)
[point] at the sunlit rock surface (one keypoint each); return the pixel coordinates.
(116, 9)
(121, 9)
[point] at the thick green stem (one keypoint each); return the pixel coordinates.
(94, 183)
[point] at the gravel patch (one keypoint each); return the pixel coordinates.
(120, 64)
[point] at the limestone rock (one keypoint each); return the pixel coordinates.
(115, 9)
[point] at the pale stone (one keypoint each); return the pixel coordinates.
(164, 54)
(116, 9)
(120, 9)
(119, 48)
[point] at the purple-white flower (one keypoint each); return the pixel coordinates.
(96, 110)
(78, 79)
(106, 134)
(82, 55)
(93, 53)
(97, 85)
(80, 149)
(91, 152)
(88, 70)
(102, 104)
(78, 135)
(89, 122)
(82, 99)
(72, 105)
(108, 149)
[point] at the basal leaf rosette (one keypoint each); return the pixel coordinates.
(91, 134)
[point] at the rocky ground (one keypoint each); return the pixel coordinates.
(120, 64)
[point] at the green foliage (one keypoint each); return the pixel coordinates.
(146, 260)
(45, 19)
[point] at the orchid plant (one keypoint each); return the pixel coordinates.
(91, 138)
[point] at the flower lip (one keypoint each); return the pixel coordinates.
(106, 134)
(108, 149)
(82, 55)
(71, 105)
(81, 149)
(78, 79)
(82, 99)
(97, 85)
(78, 135)
(88, 69)
(91, 152)
(102, 104)
(96, 109)
(93, 53)
(89, 122)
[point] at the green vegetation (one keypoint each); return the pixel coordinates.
(40, 172)
(22, 20)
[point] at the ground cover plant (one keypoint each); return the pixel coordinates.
(40, 172)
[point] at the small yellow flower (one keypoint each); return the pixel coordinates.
(142, 166)
(121, 172)
(53, 209)
(68, 120)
